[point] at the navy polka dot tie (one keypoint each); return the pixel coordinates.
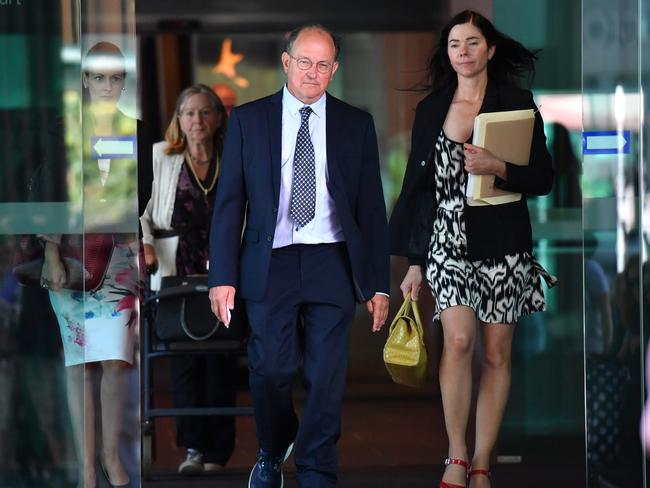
(303, 189)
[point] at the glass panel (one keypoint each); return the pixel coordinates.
(614, 246)
(57, 337)
(39, 68)
(108, 308)
(644, 206)
(544, 421)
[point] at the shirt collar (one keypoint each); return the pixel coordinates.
(294, 105)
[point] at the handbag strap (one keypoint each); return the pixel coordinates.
(418, 322)
(403, 310)
(416, 314)
(186, 329)
(409, 306)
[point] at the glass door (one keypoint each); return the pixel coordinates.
(68, 177)
(615, 239)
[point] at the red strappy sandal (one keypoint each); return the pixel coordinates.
(478, 472)
(460, 462)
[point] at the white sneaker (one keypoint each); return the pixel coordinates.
(193, 463)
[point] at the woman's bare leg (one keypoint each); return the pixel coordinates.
(79, 387)
(492, 395)
(113, 388)
(459, 329)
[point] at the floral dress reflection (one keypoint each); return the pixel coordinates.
(99, 328)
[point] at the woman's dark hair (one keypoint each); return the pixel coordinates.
(510, 63)
(175, 138)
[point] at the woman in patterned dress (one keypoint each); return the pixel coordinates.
(98, 328)
(477, 260)
(175, 230)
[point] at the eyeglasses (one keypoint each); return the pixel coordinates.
(304, 64)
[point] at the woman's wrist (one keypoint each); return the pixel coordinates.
(501, 169)
(51, 248)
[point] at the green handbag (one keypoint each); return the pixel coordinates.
(405, 354)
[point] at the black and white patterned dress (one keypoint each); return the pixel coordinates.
(499, 290)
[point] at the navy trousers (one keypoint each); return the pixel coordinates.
(309, 287)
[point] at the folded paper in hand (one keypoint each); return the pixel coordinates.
(508, 136)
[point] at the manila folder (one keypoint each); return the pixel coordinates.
(508, 135)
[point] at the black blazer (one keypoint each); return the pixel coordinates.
(249, 189)
(492, 230)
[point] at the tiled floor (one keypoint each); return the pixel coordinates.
(381, 478)
(392, 436)
(390, 442)
(387, 433)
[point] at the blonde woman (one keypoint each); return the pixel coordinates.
(175, 229)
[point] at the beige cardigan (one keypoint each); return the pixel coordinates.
(158, 214)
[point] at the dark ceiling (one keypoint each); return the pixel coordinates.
(279, 15)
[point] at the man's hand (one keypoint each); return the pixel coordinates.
(222, 300)
(412, 282)
(378, 308)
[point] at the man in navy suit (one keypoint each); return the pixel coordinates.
(302, 169)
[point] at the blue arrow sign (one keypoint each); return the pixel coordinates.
(111, 147)
(606, 142)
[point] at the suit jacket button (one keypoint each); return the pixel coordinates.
(423, 163)
(269, 238)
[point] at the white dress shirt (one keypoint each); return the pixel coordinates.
(325, 226)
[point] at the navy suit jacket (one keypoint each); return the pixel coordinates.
(249, 188)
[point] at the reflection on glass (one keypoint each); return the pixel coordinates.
(36, 447)
(98, 320)
(611, 182)
(50, 444)
(109, 143)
